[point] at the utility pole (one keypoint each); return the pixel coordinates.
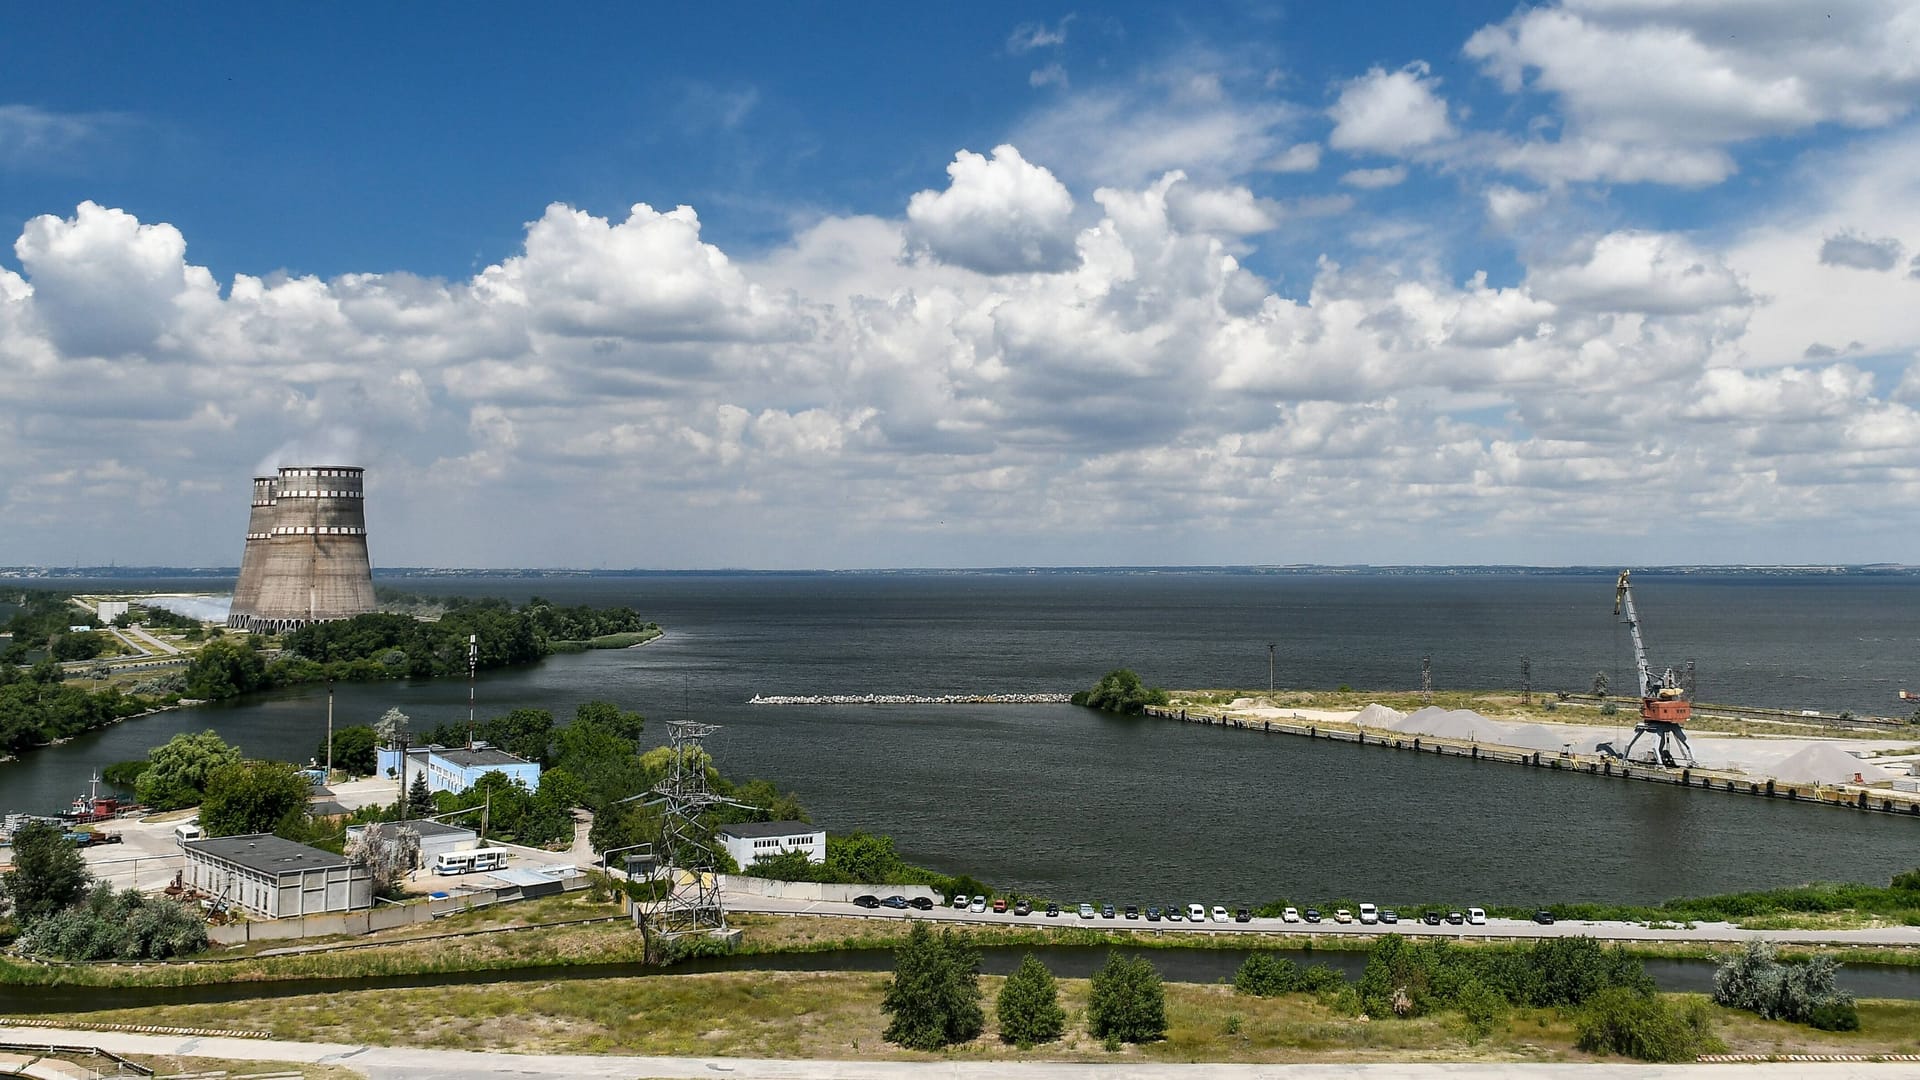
(329, 729)
(1526, 680)
(1426, 680)
(1270, 647)
(401, 738)
(473, 665)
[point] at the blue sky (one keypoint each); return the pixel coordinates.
(999, 284)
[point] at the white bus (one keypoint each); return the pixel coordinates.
(463, 862)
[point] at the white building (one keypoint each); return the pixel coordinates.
(755, 840)
(435, 836)
(272, 878)
(110, 610)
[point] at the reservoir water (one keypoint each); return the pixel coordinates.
(1068, 803)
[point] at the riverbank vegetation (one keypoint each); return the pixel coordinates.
(60, 912)
(37, 708)
(1120, 691)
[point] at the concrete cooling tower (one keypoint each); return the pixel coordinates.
(306, 554)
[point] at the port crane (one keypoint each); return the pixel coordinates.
(1664, 708)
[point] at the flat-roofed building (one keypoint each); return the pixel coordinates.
(456, 768)
(272, 878)
(751, 841)
(435, 836)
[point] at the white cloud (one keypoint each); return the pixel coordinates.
(32, 137)
(1506, 206)
(1030, 36)
(103, 283)
(1652, 91)
(1298, 158)
(1640, 271)
(1860, 252)
(1233, 211)
(1051, 75)
(1389, 112)
(998, 216)
(1373, 179)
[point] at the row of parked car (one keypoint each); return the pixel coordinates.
(1368, 914)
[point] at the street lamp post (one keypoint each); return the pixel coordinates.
(1270, 647)
(329, 730)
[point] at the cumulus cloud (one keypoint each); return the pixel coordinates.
(1298, 158)
(1640, 271)
(103, 283)
(1506, 205)
(1371, 179)
(1233, 211)
(1860, 252)
(1652, 91)
(1389, 112)
(998, 216)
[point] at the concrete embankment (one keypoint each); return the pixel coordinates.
(1850, 796)
(911, 699)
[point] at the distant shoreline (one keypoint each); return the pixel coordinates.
(25, 576)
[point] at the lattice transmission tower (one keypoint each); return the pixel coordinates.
(691, 901)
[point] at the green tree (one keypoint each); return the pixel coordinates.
(177, 772)
(1481, 1009)
(110, 925)
(83, 646)
(860, 857)
(934, 995)
(224, 669)
(1127, 1002)
(253, 797)
(419, 796)
(1029, 1006)
(623, 825)
(1263, 974)
(48, 873)
(392, 724)
(1120, 691)
(1644, 1026)
(352, 750)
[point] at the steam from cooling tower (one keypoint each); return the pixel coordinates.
(306, 551)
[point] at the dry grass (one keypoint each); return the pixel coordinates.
(837, 1015)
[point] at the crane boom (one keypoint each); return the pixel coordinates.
(1623, 597)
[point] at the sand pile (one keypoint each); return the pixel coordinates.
(1823, 763)
(1462, 724)
(1379, 716)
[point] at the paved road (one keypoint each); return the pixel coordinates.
(1519, 929)
(383, 1063)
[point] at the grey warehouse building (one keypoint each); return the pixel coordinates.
(272, 878)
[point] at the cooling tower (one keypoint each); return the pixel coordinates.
(246, 591)
(311, 565)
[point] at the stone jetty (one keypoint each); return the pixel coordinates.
(912, 699)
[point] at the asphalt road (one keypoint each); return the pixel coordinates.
(392, 1063)
(1509, 929)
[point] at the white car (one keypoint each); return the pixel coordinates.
(1086, 911)
(1196, 913)
(960, 902)
(1343, 916)
(1369, 914)
(979, 904)
(1220, 914)
(1476, 917)
(1292, 914)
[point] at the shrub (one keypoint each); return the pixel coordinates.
(111, 925)
(1127, 1002)
(1120, 691)
(1754, 980)
(1481, 1008)
(1643, 1026)
(934, 995)
(1029, 1006)
(1838, 1014)
(1263, 974)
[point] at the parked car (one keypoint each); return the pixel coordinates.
(1219, 913)
(1454, 918)
(1023, 909)
(960, 902)
(898, 903)
(1173, 913)
(979, 904)
(1106, 911)
(1476, 916)
(1086, 911)
(1196, 913)
(1431, 918)
(921, 903)
(1053, 909)
(1153, 914)
(1543, 917)
(1369, 914)
(1133, 912)
(1343, 916)
(1312, 915)
(999, 905)
(1243, 915)
(1389, 916)
(866, 901)
(1291, 914)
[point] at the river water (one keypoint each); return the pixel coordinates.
(1064, 802)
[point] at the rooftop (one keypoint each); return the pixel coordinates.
(267, 853)
(754, 830)
(467, 759)
(422, 827)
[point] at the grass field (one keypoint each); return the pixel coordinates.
(837, 1015)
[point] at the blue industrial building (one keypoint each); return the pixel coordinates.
(456, 768)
